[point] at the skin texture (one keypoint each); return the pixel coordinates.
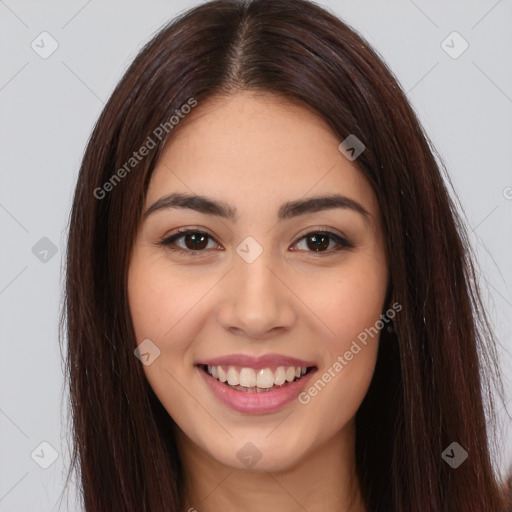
(255, 152)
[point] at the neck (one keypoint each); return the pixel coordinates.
(324, 479)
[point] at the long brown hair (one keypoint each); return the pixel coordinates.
(433, 376)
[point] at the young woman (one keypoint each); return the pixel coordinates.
(270, 297)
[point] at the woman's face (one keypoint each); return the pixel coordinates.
(267, 282)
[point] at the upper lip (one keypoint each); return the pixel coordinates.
(246, 361)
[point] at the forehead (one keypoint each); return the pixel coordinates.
(253, 150)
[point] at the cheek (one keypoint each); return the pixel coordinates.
(160, 298)
(159, 303)
(359, 304)
(149, 299)
(348, 300)
(350, 306)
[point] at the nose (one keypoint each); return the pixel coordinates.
(257, 303)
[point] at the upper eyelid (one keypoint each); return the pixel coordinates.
(183, 232)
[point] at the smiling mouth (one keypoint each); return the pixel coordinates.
(262, 380)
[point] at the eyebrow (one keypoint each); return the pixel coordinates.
(288, 210)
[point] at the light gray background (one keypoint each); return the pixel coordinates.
(48, 108)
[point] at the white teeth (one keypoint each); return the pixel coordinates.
(263, 378)
(247, 377)
(233, 377)
(213, 371)
(280, 376)
(222, 374)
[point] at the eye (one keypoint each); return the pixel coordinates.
(196, 241)
(320, 241)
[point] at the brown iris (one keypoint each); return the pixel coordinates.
(195, 241)
(319, 242)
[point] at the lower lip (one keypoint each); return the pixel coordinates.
(256, 403)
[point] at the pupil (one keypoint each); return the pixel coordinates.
(319, 242)
(199, 241)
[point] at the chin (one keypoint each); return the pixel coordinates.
(258, 456)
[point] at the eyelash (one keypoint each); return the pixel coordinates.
(169, 241)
